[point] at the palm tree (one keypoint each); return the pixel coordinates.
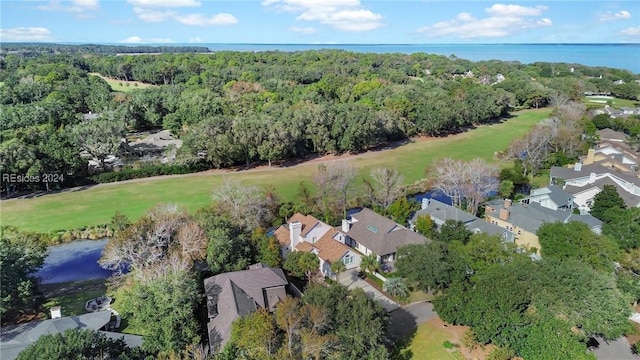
(396, 287)
(370, 263)
(337, 267)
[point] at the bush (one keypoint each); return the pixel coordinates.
(147, 171)
(449, 345)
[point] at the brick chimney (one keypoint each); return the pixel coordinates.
(591, 154)
(504, 214)
(295, 229)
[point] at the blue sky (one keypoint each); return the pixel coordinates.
(320, 21)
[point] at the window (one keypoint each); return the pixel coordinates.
(348, 260)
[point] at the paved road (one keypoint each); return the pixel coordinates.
(614, 350)
(351, 280)
(407, 318)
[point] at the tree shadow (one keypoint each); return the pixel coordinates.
(401, 330)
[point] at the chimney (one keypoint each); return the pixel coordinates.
(56, 312)
(591, 154)
(295, 229)
(592, 178)
(504, 214)
(345, 226)
(507, 203)
(425, 203)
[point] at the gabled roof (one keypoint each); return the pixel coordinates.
(15, 338)
(330, 250)
(630, 200)
(439, 210)
(570, 174)
(282, 235)
(235, 294)
(308, 222)
(379, 234)
(531, 216)
(610, 134)
(558, 195)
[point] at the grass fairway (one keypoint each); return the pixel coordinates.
(96, 205)
(602, 101)
(427, 343)
(121, 85)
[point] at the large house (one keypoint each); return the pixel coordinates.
(371, 233)
(364, 233)
(15, 338)
(308, 234)
(551, 197)
(585, 181)
(235, 294)
(440, 212)
(524, 220)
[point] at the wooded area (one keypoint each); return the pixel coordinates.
(239, 108)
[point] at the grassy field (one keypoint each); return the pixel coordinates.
(616, 102)
(71, 296)
(121, 85)
(426, 343)
(96, 205)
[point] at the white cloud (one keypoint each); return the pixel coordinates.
(303, 30)
(201, 20)
(162, 10)
(25, 34)
(139, 40)
(503, 20)
(631, 32)
(196, 39)
(620, 15)
(83, 9)
(515, 10)
(150, 15)
(347, 15)
(164, 3)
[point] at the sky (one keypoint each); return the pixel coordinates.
(319, 21)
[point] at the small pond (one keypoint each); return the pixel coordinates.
(77, 260)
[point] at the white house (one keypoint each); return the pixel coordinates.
(308, 234)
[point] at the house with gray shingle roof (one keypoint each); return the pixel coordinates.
(551, 197)
(524, 220)
(235, 294)
(371, 233)
(440, 212)
(15, 338)
(585, 181)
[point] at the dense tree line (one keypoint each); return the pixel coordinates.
(237, 108)
(38, 49)
(583, 286)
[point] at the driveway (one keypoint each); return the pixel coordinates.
(351, 280)
(614, 350)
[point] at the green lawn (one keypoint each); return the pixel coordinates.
(121, 85)
(73, 304)
(71, 296)
(426, 343)
(617, 102)
(96, 205)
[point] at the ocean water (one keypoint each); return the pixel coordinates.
(619, 56)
